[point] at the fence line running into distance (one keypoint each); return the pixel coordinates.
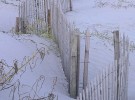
(41, 16)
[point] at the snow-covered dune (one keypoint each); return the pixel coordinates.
(33, 61)
(104, 20)
(44, 74)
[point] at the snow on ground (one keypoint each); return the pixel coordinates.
(102, 21)
(48, 70)
(38, 78)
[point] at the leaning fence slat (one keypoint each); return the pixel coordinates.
(98, 87)
(117, 57)
(80, 96)
(86, 59)
(127, 64)
(124, 73)
(78, 63)
(73, 79)
(112, 82)
(94, 88)
(83, 93)
(104, 85)
(120, 79)
(109, 83)
(106, 81)
(86, 94)
(115, 80)
(90, 91)
(96, 93)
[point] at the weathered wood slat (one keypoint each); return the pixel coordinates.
(86, 59)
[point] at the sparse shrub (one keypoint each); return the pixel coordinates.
(115, 3)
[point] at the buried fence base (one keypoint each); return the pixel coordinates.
(20, 26)
(17, 25)
(23, 27)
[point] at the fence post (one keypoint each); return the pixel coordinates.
(117, 59)
(78, 62)
(49, 16)
(23, 26)
(49, 20)
(86, 59)
(70, 5)
(17, 24)
(73, 69)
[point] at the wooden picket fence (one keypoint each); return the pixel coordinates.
(112, 83)
(41, 16)
(47, 16)
(35, 15)
(67, 38)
